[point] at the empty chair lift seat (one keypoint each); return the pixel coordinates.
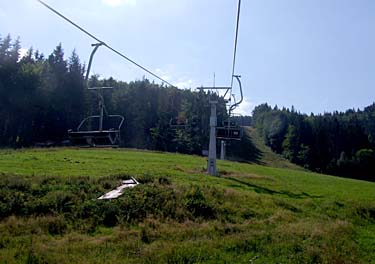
(229, 131)
(100, 137)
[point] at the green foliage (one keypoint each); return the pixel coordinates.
(330, 143)
(178, 214)
(198, 205)
(42, 98)
(73, 199)
(291, 144)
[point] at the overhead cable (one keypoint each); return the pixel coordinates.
(103, 43)
(235, 41)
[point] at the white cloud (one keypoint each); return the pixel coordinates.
(181, 82)
(245, 108)
(188, 84)
(163, 74)
(116, 3)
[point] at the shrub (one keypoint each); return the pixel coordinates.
(17, 183)
(56, 225)
(197, 204)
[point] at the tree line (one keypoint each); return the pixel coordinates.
(339, 143)
(42, 97)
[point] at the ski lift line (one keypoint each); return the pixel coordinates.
(103, 43)
(236, 41)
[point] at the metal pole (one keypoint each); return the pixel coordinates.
(211, 167)
(101, 107)
(237, 103)
(222, 151)
(96, 46)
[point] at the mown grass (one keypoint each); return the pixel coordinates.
(251, 214)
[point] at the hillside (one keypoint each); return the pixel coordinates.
(251, 149)
(251, 214)
(337, 143)
(268, 157)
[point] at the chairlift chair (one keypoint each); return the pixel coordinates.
(182, 123)
(230, 130)
(98, 130)
(108, 132)
(177, 123)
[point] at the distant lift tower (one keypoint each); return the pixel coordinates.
(211, 163)
(229, 130)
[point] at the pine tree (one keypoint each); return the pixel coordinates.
(291, 144)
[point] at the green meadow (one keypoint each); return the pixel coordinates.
(249, 214)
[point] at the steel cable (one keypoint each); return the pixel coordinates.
(104, 44)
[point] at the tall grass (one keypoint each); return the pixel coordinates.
(49, 212)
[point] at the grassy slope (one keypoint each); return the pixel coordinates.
(268, 157)
(264, 214)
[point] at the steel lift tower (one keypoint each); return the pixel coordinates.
(227, 132)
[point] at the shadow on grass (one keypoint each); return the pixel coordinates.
(264, 190)
(244, 150)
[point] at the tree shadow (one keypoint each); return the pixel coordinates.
(244, 150)
(264, 190)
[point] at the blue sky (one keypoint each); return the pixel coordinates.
(318, 55)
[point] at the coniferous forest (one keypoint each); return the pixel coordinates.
(333, 143)
(42, 97)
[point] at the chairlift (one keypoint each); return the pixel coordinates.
(98, 130)
(178, 123)
(182, 123)
(230, 130)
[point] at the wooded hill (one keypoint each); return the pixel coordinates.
(333, 143)
(43, 97)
